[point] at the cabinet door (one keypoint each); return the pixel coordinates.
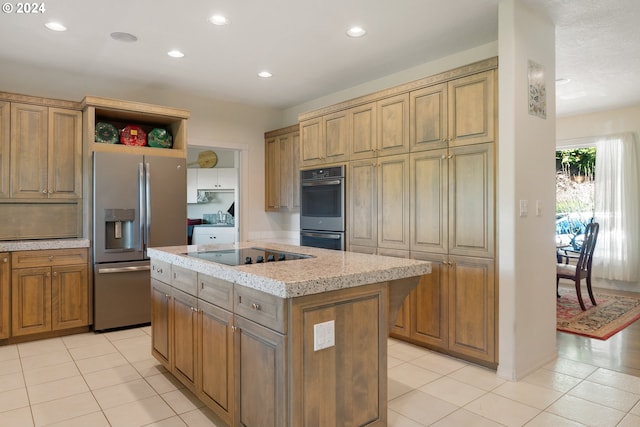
(161, 322)
(215, 354)
(5, 301)
(312, 148)
(393, 125)
(192, 185)
(31, 300)
(428, 204)
(393, 202)
(207, 178)
(64, 154)
(272, 174)
(5, 143)
(472, 109)
(428, 118)
(227, 178)
(295, 171)
(401, 327)
(69, 297)
(336, 131)
(471, 201)
(363, 204)
(429, 316)
(472, 307)
(285, 172)
(260, 360)
(364, 137)
(185, 321)
(28, 151)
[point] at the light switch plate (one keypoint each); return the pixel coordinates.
(324, 335)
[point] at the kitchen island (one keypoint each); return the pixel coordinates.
(297, 342)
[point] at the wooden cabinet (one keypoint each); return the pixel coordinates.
(260, 376)
(472, 307)
(185, 337)
(49, 291)
(282, 170)
(161, 337)
(5, 144)
(459, 112)
(472, 109)
(5, 296)
(315, 148)
(46, 152)
(379, 202)
(363, 131)
(215, 376)
(393, 125)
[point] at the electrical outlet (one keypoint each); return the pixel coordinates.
(524, 208)
(324, 335)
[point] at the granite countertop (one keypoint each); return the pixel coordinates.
(34, 245)
(328, 270)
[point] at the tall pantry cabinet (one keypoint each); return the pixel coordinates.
(452, 223)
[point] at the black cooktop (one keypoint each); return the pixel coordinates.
(246, 256)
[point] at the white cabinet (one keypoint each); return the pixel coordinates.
(217, 179)
(192, 185)
(203, 235)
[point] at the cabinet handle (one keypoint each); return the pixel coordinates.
(234, 328)
(167, 296)
(255, 306)
(194, 309)
(50, 257)
(55, 274)
(443, 157)
(5, 259)
(450, 156)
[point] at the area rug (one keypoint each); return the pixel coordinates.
(612, 314)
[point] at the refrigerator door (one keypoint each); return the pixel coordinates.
(166, 201)
(117, 191)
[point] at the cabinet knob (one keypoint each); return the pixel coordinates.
(5, 259)
(255, 306)
(50, 257)
(167, 296)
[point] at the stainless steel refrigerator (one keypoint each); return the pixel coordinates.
(138, 202)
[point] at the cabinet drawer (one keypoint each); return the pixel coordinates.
(262, 308)
(215, 291)
(45, 258)
(161, 270)
(185, 280)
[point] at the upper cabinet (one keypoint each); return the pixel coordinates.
(146, 116)
(451, 109)
(46, 152)
(282, 169)
(459, 112)
(217, 178)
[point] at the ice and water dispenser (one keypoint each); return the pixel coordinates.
(119, 230)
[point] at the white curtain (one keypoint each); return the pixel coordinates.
(617, 252)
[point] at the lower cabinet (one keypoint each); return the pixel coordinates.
(453, 309)
(251, 358)
(5, 301)
(49, 291)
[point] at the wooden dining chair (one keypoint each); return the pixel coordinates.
(582, 268)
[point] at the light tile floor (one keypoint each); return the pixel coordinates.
(111, 379)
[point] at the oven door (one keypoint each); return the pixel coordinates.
(322, 205)
(325, 240)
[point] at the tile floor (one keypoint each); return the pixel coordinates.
(111, 380)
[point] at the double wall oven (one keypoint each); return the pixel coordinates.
(322, 210)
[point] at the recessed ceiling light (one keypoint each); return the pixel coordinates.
(55, 26)
(175, 54)
(562, 81)
(124, 37)
(356, 32)
(218, 20)
(264, 74)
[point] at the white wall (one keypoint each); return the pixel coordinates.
(572, 130)
(526, 167)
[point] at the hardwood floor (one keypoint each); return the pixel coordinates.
(619, 353)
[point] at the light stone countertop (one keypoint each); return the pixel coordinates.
(328, 270)
(34, 245)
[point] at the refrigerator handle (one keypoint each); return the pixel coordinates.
(147, 199)
(141, 235)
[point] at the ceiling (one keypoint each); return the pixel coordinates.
(305, 47)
